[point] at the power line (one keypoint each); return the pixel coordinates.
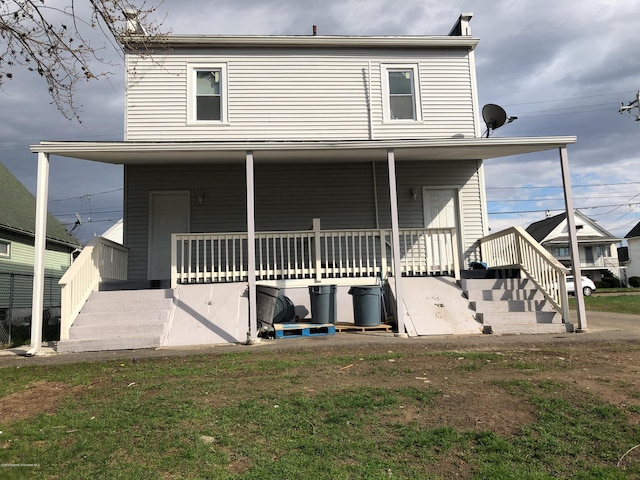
(569, 98)
(560, 186)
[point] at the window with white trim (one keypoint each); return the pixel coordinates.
(5, 248)
(402, 100)
(207, 93)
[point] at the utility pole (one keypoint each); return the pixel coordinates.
(634, 104)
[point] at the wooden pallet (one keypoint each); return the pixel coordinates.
(351, 327)
(292, 330)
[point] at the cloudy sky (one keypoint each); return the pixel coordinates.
(562, 67)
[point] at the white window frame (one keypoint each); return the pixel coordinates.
(192, 79)
(8, 252)
(417, 102)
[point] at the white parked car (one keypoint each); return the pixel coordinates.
(588, 286)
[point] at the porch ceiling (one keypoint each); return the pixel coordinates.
(212, 152)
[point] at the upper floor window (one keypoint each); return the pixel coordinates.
(402, 93)
(208, 98)
(5, 248)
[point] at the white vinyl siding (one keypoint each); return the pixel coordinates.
(289, 196)
(297, 95)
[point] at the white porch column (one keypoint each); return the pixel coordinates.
(573, 241)
(395, 239)
(251, 250)
(39, 253)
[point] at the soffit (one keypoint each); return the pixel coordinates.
(223, 152)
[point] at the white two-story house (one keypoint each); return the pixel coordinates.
(597, 247)
(294, 161)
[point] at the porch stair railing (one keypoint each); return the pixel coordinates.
(315, 254)
(100, 260)
(515, 248)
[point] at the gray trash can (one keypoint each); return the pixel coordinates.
(265, 303)
(367, 306)
(323, 303)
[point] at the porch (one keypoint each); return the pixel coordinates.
(294, 260)
(300, 257)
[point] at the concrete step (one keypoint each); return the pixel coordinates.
(101, 344)
(123, 304)
(95, 331)
(503, 295)
(535, 328)
(118, 319)
(519, 318)
(510, 306)
(495, 283)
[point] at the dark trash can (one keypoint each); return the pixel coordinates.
(284, 311)
(265, 303)
(323, 303)
(367, 305)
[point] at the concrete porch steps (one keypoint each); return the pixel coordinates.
(120, 320)
(511, 306)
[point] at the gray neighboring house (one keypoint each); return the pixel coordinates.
(17, 233)
(598, 249)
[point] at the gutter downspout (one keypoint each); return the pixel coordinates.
(37, 305)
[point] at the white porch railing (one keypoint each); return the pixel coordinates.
(311, 254)
(100, 260)
(514, 247)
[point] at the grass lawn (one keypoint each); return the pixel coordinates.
(565, 411)
(613, 302)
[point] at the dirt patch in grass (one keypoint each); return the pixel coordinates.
(36, 398)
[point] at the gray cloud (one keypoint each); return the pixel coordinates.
(562, 67)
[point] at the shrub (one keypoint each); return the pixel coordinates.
(634, 282)
(608, 282)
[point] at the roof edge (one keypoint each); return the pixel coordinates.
(133, 43)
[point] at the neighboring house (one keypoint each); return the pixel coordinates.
(295, 161)
(633, 251)
(115, 232)
(17, 233)
(598, 249)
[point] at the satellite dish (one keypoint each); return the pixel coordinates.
(494, 116)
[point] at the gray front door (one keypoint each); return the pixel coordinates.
(168, 213)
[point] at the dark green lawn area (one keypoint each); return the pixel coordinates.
(362, 412)
(615, 302)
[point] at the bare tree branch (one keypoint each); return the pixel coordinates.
(55, 41)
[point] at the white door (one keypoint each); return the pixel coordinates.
(168, 213)
(440, 212)
(439, 208)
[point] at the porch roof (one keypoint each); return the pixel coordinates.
(140, 152)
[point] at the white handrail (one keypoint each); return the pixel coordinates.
(514, 247)
(100, 260)
(315, 254)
